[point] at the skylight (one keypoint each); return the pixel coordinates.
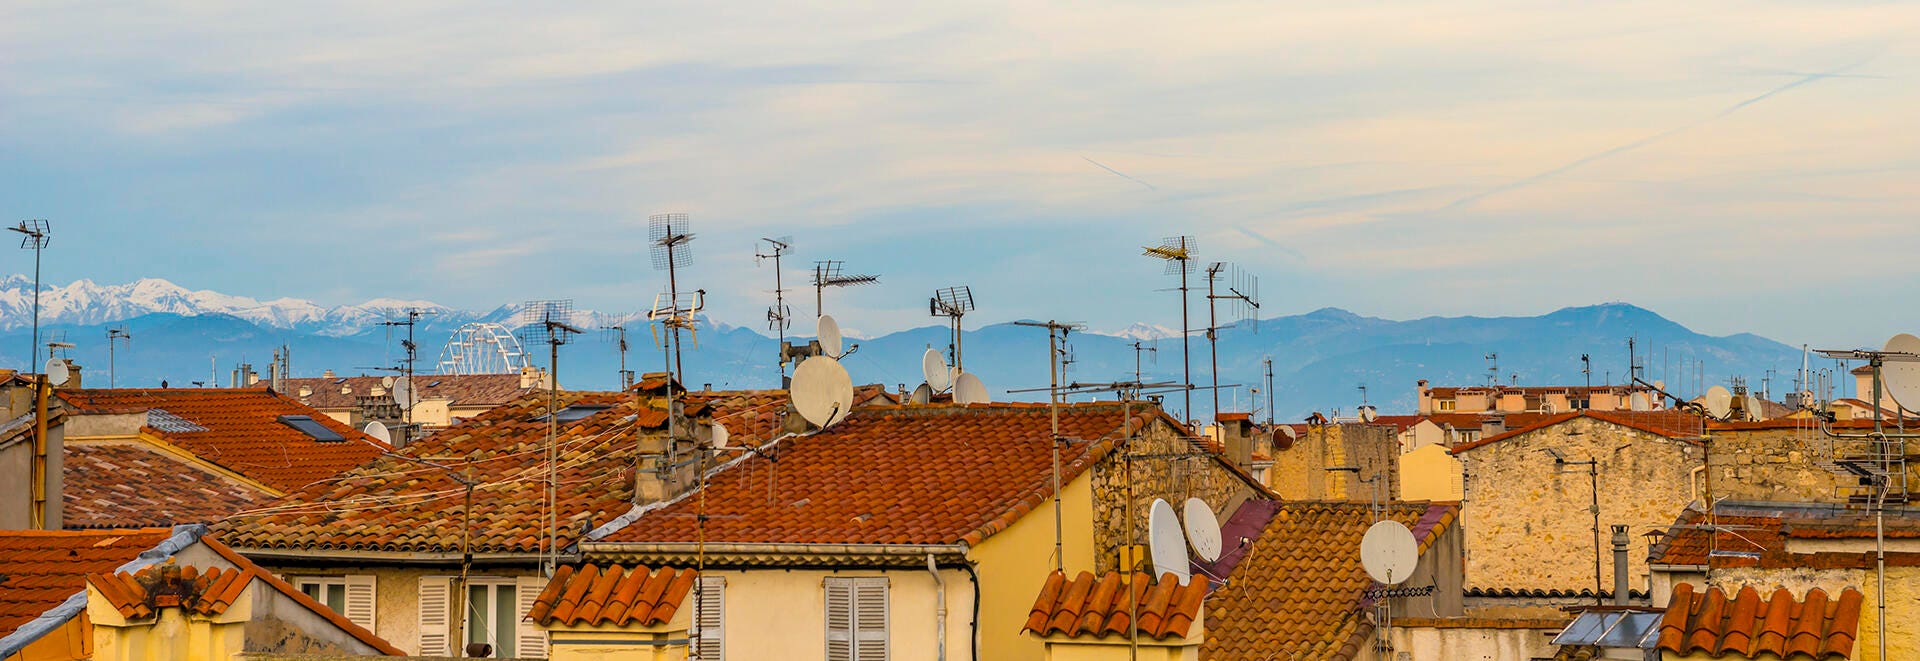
(577, 412)
(308, 426)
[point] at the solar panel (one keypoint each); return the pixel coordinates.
(162, 420)
(308, 426)
(576, 412)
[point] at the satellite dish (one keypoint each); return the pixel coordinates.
(830, 341)
(1368, 414)
(968, 389)
(719, 436)
(378, 430)
(1283, 437)
(1755, 410)
(403, 392)
(1902, 377)
(934, 366)
(1389, 552)
(1718, 401)
(922, 394)
(57, 372)
(822, 391)
(1203, 530)
(1659, 385)
(1168, 546)
(1639, 401)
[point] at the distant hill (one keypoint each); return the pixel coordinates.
(1319, 358)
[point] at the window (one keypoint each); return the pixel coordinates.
(330, 590)
(308, 426)
(709, 621)
(856, 619)
(490, 616)
(1444, 404)
(350, 596)
(496, 611)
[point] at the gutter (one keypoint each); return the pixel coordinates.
(394, 557)
(939, 608)
(58, 616)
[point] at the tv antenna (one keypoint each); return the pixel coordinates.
(1268, 364)
(779, 317)
(1056, 336)
(482, 348)
(618, 332)
(671, 252)
(1493, 370)
(1178, 253)
(830, 273)
(34, 235)
(548, 322)
(1144, 347)
(1586, 370)
(952, 303)
(115, 336)
(411, 319)
(1244, 291)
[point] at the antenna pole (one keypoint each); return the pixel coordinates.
(1186, 359)
(1053, 412)
(1213, 334)
(553, 468)
(1269, 366)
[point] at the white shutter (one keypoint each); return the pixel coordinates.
(532, 639)
(710, 618)
(360, 599)
(436, 607)
(839, 619)
(870, 619)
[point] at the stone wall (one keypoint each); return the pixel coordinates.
(1301, 472)
(1528, 521)
(1164, 465)
(1771, 465)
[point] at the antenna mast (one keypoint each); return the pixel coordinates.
(1056, 336)
(779, 317)
(827, 273)
(34, 235)
(620, 344)
(1493, 370)
(1245, 292)
(670, 252)
(1269, 367)
(1178, 253)
(547, 322)
(114, 336)
(953, 303)
(413, 352)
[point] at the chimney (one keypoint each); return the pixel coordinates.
(273, 372)
(1620, 589)
(73, 374)
(1492, 425)
(327, 374)
(530, 377)
(1236, 436)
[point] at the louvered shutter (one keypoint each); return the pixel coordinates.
(360, 600)
(709, 627)
(436, 607)
(532, 640)
(839, 619)
(870, 619)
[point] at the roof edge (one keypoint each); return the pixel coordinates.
(58, 616)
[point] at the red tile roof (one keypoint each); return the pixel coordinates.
(41, 569)
(927, 474)
(1747, 535)
(1747, 626)
(1104, 606)
(392, 504)
(127, 485)
(461, 390)
(1301, 586)
(1670, 424)
(240, 430)
(1738, 540)
(280, 585)
(141, 594)
(592, 595)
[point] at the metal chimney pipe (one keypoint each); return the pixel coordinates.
(1620, 588)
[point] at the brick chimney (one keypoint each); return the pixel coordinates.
(1236, 437)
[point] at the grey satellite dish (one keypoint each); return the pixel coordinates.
(922, 394)
(968, 389)
(1755, 410)
(1718, 401)
(822, 391)
(57, 372)
(403, 392)
(719, 436)
(1368, 414)
(1901, 376)
(831, 342)
(378, 430)
(1168, 546)
(1203, 530)
(934, 367)
(1389, 552)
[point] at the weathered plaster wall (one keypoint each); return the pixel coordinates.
(1430, 473)
(396, 593)
(1771, 464)
(1300, 473)
(1459, 643)
(1163, 466)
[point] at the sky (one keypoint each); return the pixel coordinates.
(1737, 167)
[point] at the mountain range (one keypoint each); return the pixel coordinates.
(1320, 360)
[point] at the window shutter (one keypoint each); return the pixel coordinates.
(870, 619)
(839, 619)
(436, 606)
(360, 600)
(532, 640)
(709, 627)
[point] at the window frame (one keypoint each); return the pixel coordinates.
(326, 584)
(500, 634)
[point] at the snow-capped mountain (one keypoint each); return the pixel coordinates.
(85, 302)
(1142, 331)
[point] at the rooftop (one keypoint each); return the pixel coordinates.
(1673, 424)
(127, 485)
(592, 595)
(1747, 626)
(41, 569)
(1756, 535)
(1104, 606)
(460, 390)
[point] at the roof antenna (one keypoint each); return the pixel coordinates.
(618, 333)
(827, 273)
(1056, 363)
(1178, 253)
(403, 393)
(953, 303)
(779, 317)
(1493, 370)
(670, 237)
(547, 322)
(114, 335)
(1244, 291)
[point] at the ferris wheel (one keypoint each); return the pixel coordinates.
(482, 348)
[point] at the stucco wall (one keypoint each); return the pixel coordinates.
(1163, 466)
(1430, 473)
(1527, 520)
(396, 611)
(1014, 564)
(1300, 473)
(1469, 644)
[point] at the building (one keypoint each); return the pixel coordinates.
(1535, 399)
(31, 471)
(440, 399)
(1118, 616)
(1354, 462)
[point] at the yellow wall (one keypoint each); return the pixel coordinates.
(1430, 473)
(1014, 564)
(172, 636)
(1117, 649)
(780, 614)
(1903, 601)
(70, 642)
(613, 643)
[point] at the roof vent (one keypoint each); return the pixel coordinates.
(307, 425)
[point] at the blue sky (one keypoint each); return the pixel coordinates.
(1735, 166)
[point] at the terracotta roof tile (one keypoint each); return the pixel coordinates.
(615, 596)
(1104, 606)
(460, 390)
(1670, 424)
(40, 569)
(1747, 626)
(239, 430)
(1301, 586)
(927, 474)
(200, 592)
(283, 587)
(126, 485)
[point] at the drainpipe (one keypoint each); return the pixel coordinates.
(939, 608)
(1620, 588)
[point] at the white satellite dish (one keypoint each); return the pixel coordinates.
(1659, 385)
(968, 389)
(57, 372)
(1368, 414)
(830, 341)
(1901, 378)
(1718, 401)
(719, 436)
(1203, 530)
(378, 430)
(822, 391)
(1639, 401)
(1755, 410)
(403, 392)
(921, 395)
(1389, 552)
(934, 366)
(1168, 546)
